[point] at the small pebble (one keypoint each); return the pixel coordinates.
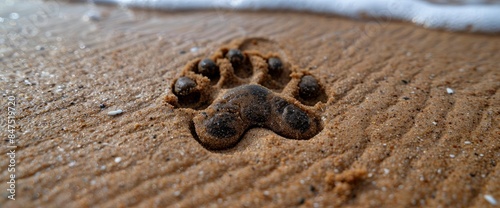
(235, 56)
(309, 87)
(184, 85)
(275, 66)
(14, 16)
(449, 91)
(118, 159)
(208, 68)
(102, 105)
(490, 199)
(115, 112)
(468, 142)
(92, 15)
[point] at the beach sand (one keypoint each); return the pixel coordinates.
(393, 134)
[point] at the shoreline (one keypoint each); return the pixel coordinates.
(468, 17)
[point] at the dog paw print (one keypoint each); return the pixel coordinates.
(241, 87)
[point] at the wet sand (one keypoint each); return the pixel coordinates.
(392, 136)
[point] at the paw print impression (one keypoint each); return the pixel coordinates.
(244, 85)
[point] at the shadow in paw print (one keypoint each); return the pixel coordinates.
(241, 65)
(208, 68)
(310, 91)
(186, 91)
(278, 74)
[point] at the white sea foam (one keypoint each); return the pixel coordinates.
(473, 15)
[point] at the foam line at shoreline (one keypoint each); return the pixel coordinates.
(470, 17)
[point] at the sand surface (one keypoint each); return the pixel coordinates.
(392, 134)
